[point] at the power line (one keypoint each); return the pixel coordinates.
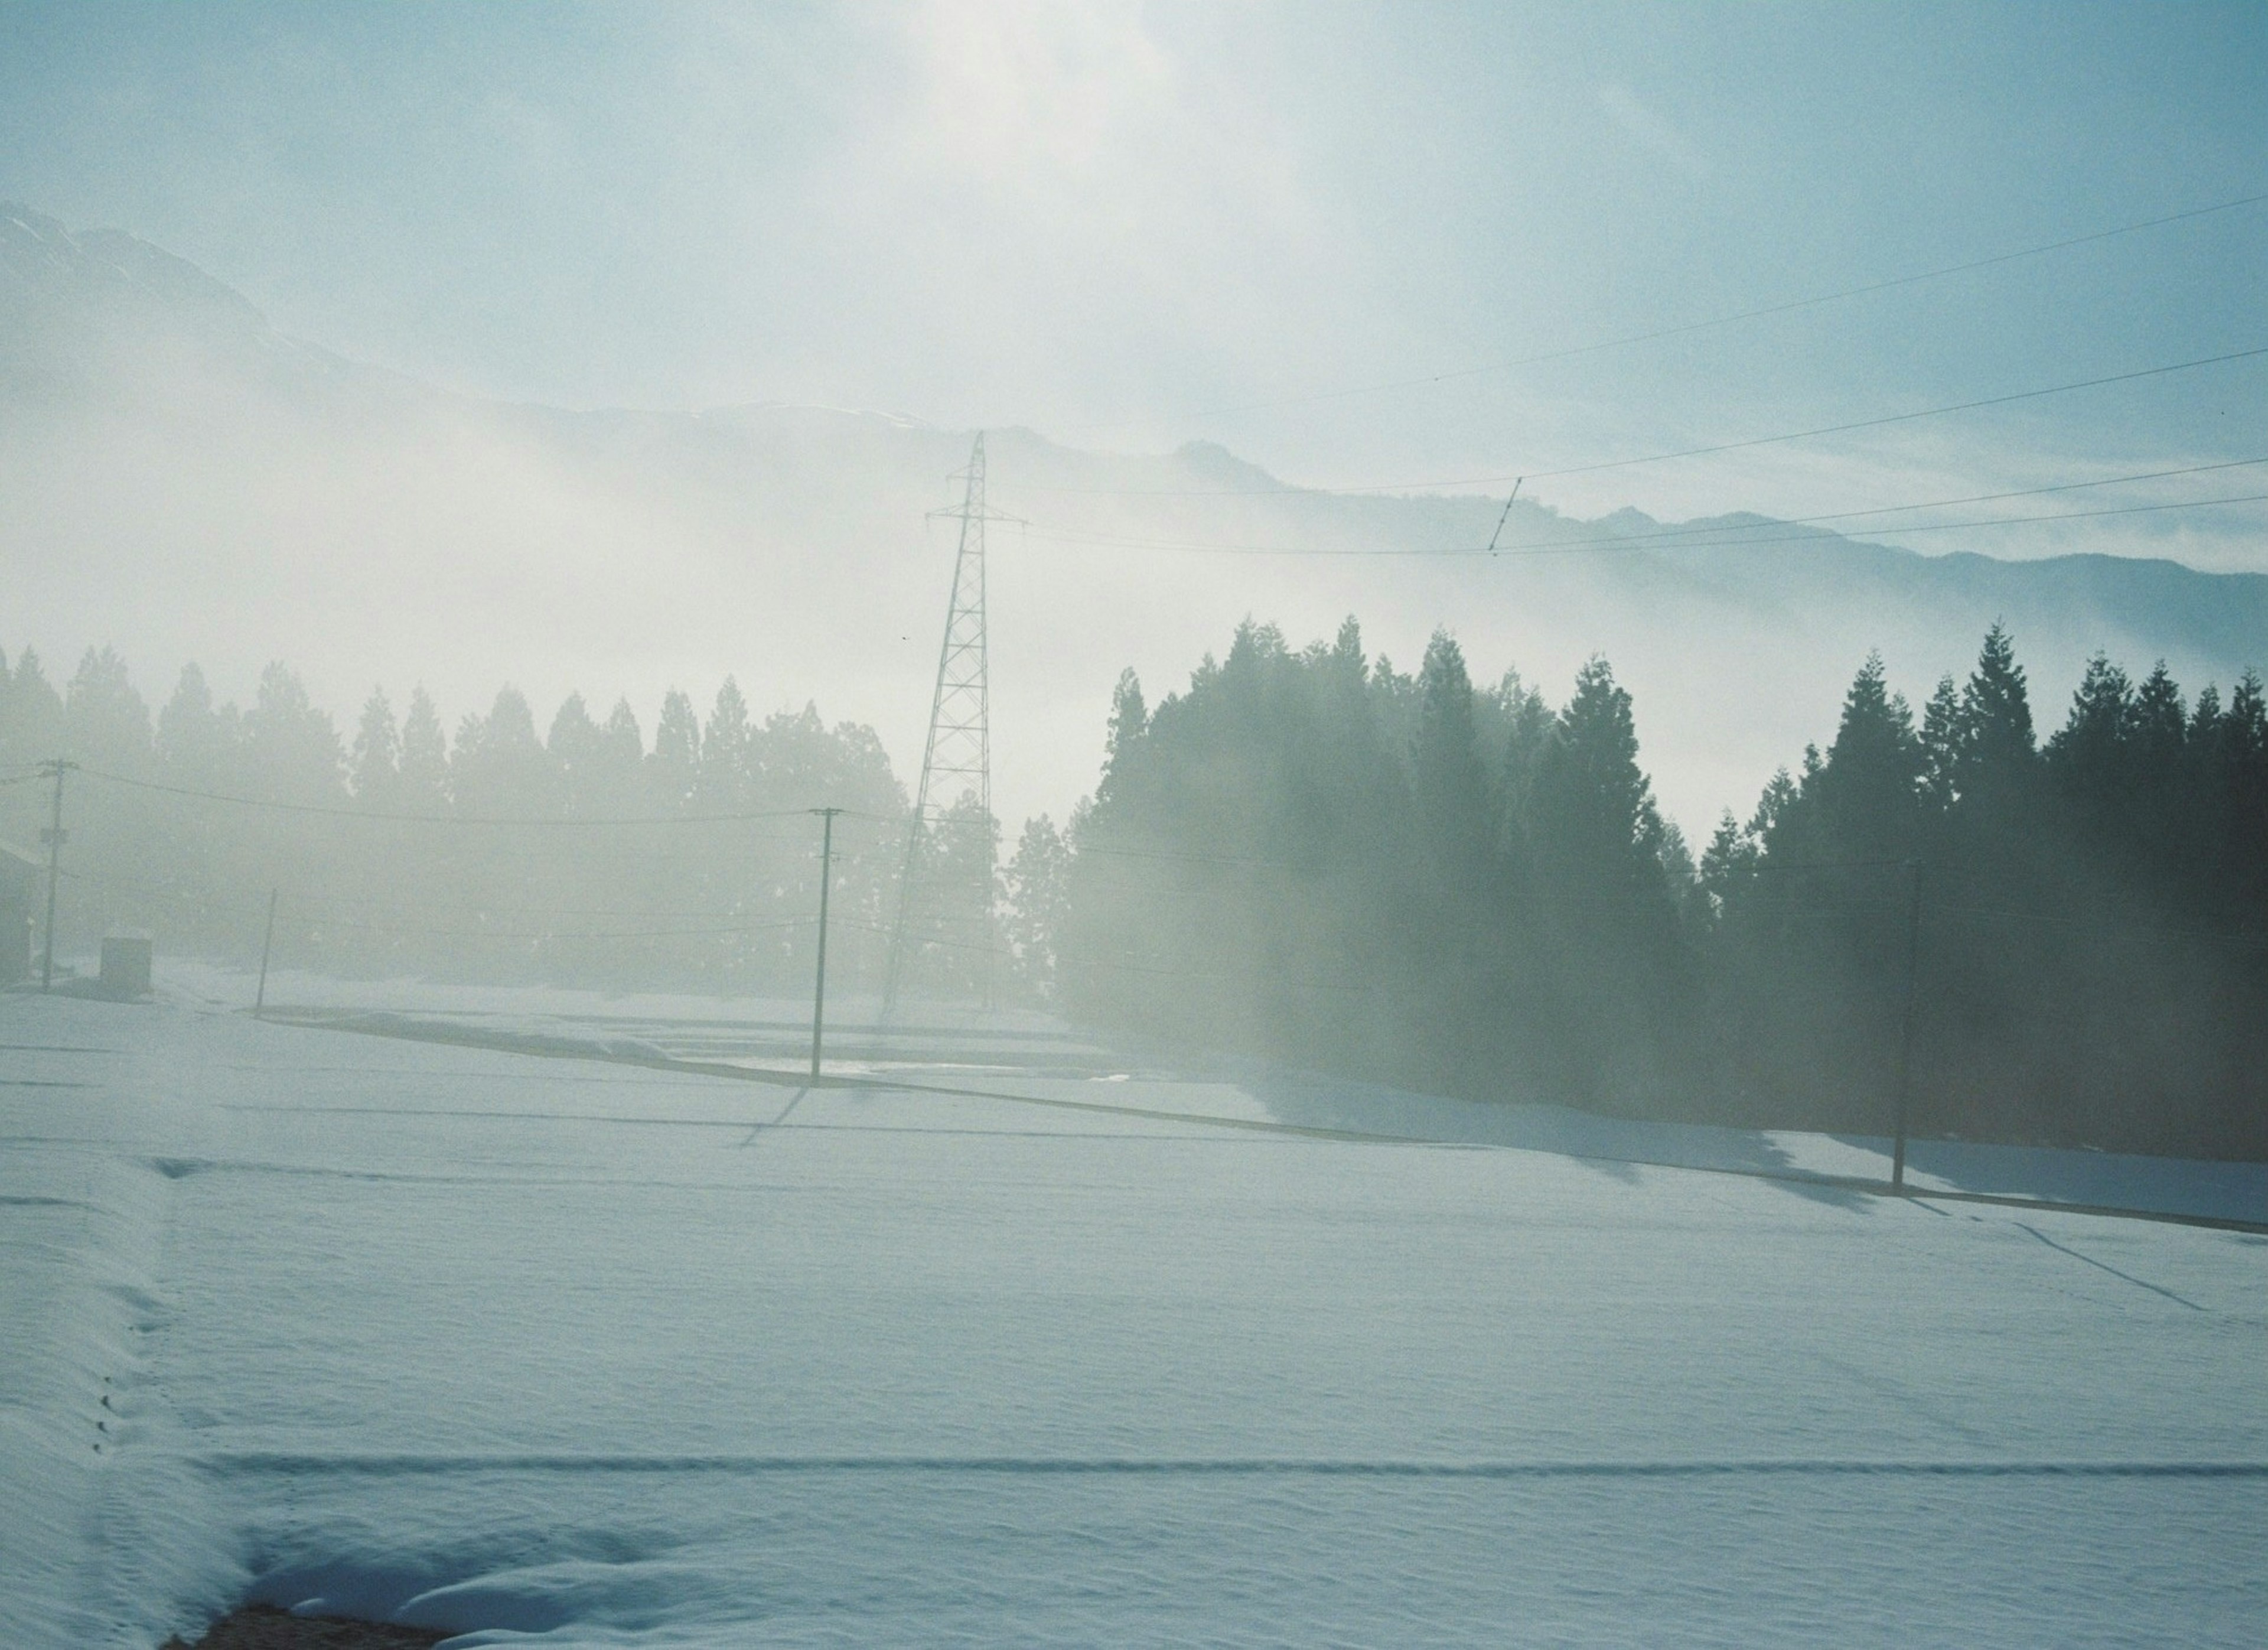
(1687, 328)
(920, 941)
(467, 819)
(1285, 488)
(1638, 543)
(324, 917)
(1892, 418)
(1270, 978)
(1208, 859)
(1693, 530)
(319, 920)
(538, 912)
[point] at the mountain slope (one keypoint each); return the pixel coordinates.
(186, 483)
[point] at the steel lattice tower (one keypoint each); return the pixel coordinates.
(945, 890)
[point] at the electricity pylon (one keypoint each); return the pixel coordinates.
(945, 891)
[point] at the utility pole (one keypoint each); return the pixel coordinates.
(259, 1002)
(53, 837)
(1906, 1030)
(825, 881)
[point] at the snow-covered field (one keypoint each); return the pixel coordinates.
(594, 1352)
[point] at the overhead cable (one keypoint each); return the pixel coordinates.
(321, 917)
(1715, 527)
(1877, 510)
(319, 920)
(1283, 489)
(1687, 328)
(1620, 545)
(467, 818)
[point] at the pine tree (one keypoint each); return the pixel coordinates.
(34, 728)
(2204, 720)
(616, 762)
(1452, 786)
(1595, 821)
(1996, 746)
(1772, 804)
(726, 753)
(574, 745)
(1357, 777)
(1867, 790)
(195, 743)
(2089, 750)
(1941, 745)
(1038, 888)
(106, 722)
(291, 745)
(1728, 865)
(499, 767)
(1600, 995)
(676, 758)
(1680, 875)
(2164, 790)
(1453, 928)
(1343, 663)
(1130, 720)
(2160, 721)
(424, 762)
(374, 766)
(2243, 785)
(1527, 723)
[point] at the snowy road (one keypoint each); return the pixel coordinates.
(604, 1355)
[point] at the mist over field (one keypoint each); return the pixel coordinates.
(1132, 823)
(247, 496)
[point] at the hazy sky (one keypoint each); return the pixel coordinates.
(1112, 221)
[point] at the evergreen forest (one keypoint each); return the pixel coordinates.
(1313, 857)
(1308, 856)
(588, 853)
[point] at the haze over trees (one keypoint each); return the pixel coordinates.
(582, 852)
(1313, 854)
(158, 435)
(1310, 855)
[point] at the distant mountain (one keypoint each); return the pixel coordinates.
(184, 482)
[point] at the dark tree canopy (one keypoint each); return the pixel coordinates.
(1311, 855)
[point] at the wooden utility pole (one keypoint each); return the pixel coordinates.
(826, 880)
(53, 837)
(1906, 1030)
(259, 1002)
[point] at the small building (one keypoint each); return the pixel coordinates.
(125, 965)
(23, 882)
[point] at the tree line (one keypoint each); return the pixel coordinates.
(1314, 856)
(1309, 855)
(585, 853)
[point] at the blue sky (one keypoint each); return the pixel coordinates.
(1109, 223)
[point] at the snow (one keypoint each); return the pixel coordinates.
(1060, 1349)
